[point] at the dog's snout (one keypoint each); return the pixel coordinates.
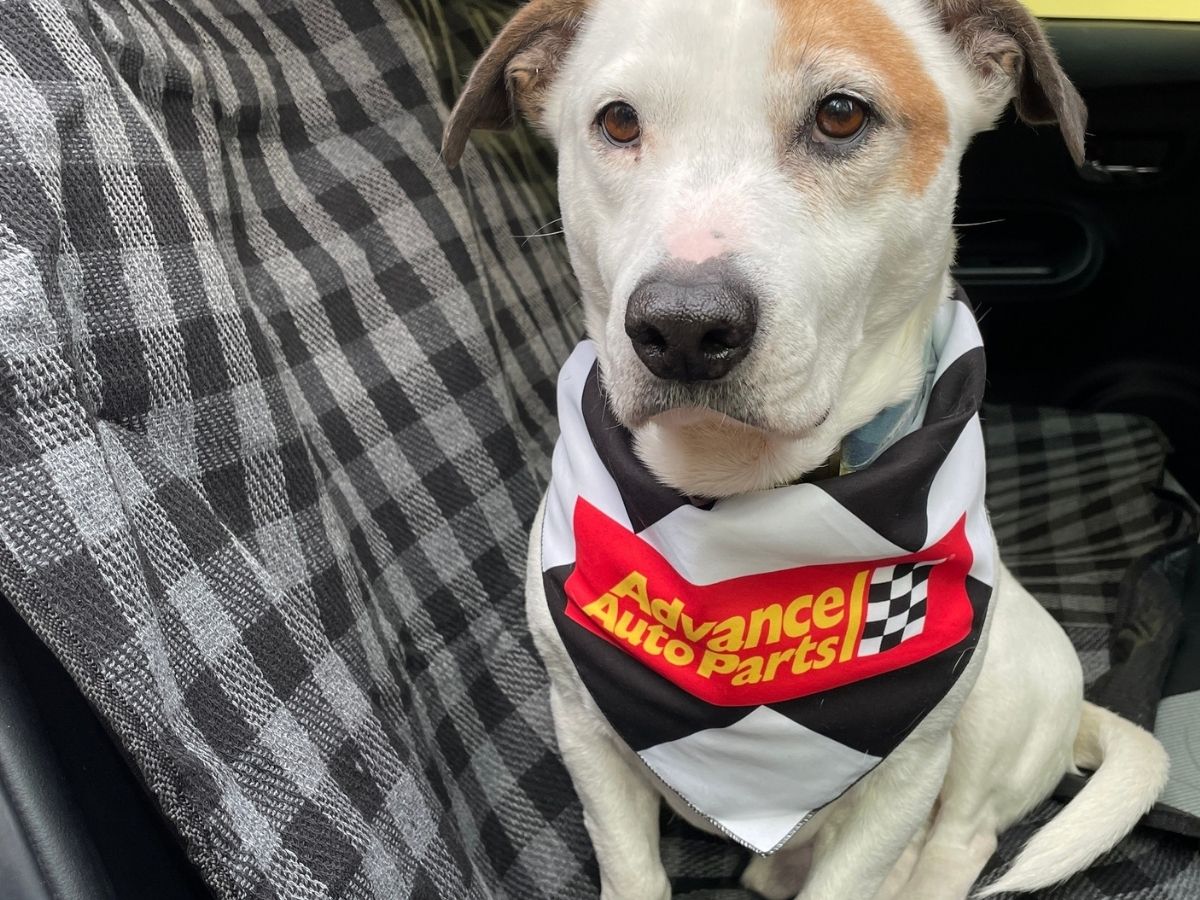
(692, 324)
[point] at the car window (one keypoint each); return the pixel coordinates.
(1146, 10)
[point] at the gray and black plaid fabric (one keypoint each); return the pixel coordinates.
(275, 400)
(275, 406)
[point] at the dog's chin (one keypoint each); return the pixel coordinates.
(702, 452)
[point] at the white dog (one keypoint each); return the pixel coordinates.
(757, 197)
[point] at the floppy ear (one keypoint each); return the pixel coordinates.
(1014, 61)
(514, 73)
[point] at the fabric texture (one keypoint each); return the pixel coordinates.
(276, 407)
(276, 394)
(1178, 713)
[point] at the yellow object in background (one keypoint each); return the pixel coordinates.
(1134, 10)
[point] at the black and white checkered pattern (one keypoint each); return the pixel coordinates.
(895, 606)
(275, 407)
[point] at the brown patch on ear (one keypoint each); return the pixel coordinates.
(1012, 55)
(514, 73)
(862, 28)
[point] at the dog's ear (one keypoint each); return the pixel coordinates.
(514, 73)
(1013, 60)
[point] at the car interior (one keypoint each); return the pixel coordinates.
(1083, 281)
(1082, 276)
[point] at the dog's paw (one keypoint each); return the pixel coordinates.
(655, 887)
(780, 876)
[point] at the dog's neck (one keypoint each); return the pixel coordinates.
(724, 460)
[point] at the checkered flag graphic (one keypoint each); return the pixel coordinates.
(895, 606)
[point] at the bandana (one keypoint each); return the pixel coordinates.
(762, 653)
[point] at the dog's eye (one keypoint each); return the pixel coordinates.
(619, 122)
(840, 119)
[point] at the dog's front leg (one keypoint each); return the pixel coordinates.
(857, 847)
(620, 806)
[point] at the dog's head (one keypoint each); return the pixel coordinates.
(757, 197)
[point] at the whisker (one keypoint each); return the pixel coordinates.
(530, 237)
(977, 224)
(537, 232)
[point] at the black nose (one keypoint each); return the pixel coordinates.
(692, 324)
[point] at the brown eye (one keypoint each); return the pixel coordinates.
(619, 122)
(841, 118)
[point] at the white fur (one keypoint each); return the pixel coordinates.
(849, 269)
(711, 164)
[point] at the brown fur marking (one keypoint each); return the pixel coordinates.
(862, 28)
(513, 74)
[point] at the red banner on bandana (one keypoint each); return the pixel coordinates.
(758, 639)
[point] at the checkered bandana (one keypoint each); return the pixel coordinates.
(761, 654)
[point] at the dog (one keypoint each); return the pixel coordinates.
(757, 198)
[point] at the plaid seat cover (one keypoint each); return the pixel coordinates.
(275, 407)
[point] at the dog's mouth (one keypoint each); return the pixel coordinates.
(724, 407)
(707, 418)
